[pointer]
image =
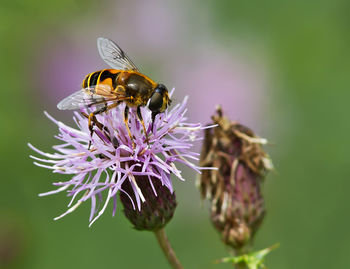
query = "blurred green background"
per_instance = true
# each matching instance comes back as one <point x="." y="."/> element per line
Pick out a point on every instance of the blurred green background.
<point x="282" y="68"/>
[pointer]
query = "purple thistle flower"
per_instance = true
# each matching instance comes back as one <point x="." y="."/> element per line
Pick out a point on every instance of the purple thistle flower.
<point x="112" y="160"/>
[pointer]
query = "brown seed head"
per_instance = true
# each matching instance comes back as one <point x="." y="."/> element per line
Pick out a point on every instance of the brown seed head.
<point x="237" y="207"/>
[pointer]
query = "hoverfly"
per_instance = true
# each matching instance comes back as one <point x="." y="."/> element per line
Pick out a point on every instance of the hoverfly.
<point x="107" y="88"/>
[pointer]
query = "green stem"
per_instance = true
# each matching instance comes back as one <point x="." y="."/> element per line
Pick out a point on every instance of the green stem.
<point x="167" y="249"/>
<point x="241" y="265"/>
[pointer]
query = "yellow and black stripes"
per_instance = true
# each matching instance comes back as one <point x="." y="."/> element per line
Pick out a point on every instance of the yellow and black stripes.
<point x="105" y="76"/>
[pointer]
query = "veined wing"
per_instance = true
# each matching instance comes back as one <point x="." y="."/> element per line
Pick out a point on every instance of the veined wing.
<point x="113" y="55"/>
<point x="89" y="97"/>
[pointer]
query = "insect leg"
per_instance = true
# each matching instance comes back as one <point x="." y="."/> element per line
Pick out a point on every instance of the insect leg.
<point x="95" y="121"/>
<point x="154" y="114"/>
<point x="92" y="120"/>
<point x="99" y="126"/>
<point x="139" y="115"/>
<point x="126" y="122"/>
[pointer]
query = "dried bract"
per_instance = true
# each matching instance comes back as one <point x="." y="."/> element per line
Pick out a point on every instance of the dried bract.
<point x="237" y="206"/>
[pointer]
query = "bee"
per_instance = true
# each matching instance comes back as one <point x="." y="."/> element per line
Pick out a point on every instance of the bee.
<point x="107" y="88"/>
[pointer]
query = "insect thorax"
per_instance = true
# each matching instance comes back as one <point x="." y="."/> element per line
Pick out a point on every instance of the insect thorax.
<point x="138" y="86"/>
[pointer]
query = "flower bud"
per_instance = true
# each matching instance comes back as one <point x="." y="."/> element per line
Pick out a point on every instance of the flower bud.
<point x="157" y="209"/>
<point x="237" y="206"/>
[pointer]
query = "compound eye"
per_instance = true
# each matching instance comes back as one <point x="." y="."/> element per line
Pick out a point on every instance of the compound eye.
<point x="156" y="102"/>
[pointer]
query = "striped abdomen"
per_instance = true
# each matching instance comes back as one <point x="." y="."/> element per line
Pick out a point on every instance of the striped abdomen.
<point x="105" y="76"/>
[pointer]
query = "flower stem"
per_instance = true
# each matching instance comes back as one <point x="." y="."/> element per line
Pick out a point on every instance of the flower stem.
<point x="240" y="266"/>
<point x="239" y="252"/>
<point x="167" y="249"/>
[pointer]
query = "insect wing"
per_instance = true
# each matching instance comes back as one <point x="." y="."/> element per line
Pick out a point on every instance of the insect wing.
<point x="113" y="55"/>
<point x="88" y="97"/>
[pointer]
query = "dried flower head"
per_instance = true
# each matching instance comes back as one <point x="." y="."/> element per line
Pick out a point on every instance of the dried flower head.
<point x="234" y="189"/>
<point x="115" y="163"/>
